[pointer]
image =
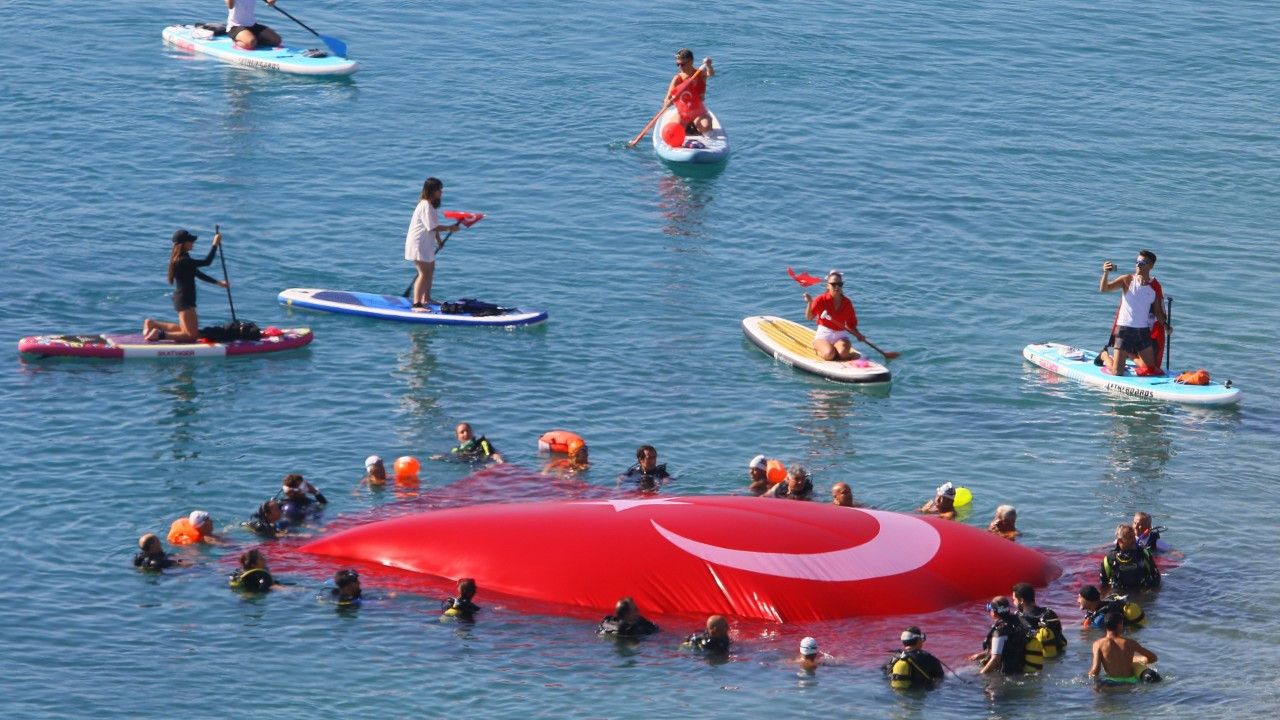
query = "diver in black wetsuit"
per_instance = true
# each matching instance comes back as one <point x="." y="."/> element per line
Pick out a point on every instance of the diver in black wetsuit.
<point x="253" y="575"/>
<point x="626" y="621"/>
<point x="461" y="607"/>
<point x="183" y="271"/>
<point x="151" y="554"/>
<point x="714" y="640"/>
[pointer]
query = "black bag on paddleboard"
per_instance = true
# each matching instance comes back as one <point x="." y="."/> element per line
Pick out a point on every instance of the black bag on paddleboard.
<point x="468" y="306"/>
<point x="233" y="330"/>
<point x="215" y="28"/>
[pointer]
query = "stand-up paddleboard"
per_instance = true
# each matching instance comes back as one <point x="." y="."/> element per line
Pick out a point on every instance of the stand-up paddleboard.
<point x="300" y="61"/>
<point x="394" y="307"/>
<point x="133" y="346"/>
<point x="1078" y="365"/>
<point x="715" y="144"/>
<point x="792" y="344"/>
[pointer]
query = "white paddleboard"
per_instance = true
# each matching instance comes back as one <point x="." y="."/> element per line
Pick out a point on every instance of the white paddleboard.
<point x="1077" y="364"/>
<point x="792" y="344"/>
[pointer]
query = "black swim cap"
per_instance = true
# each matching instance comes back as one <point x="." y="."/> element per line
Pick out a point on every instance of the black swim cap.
<point x="183" y="236"/>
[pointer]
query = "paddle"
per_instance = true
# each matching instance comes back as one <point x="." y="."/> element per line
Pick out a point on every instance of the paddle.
<point x="1168" y="317"/>
<point x="664" y="109"/>
<point x="465" y="219"/>
<point x="806" y="280"/>
<point x="338" y="47"/>
<point x="227" y="280"/>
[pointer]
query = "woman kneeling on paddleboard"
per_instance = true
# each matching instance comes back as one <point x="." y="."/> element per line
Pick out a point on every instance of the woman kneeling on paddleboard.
<point x="836" y="320"/>
<point x="183" y="271"/>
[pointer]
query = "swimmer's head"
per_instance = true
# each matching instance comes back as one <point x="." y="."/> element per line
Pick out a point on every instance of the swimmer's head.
<point x="912" y="635"/>
<point x="626" y="609"/>
<point x="1114" y="621"/>
<point x="250" y="559"/>
<point x="464" y="433"/>
<point x="466" y="589"/>
<point x="809" y="647"/>
<point x="270" y="511"/>
<point x="1000" y="605"/>
<point x="1089" y="594"/>
<point x="372" y="462"/>
<point x="346" y="578"/>
<point x="200" y="520"/>
<point x="149" y="543"/>
<point x="717" y="626"/>
<point x="1024" y="593"/>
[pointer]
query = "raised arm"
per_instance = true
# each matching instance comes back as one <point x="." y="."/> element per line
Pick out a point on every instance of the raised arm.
<point x="1107" y="285"/>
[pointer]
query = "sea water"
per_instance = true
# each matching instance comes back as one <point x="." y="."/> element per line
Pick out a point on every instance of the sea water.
<point x="968" y="166"/>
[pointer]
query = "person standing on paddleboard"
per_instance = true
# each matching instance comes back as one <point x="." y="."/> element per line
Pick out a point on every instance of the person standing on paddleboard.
<point x="836" y="321"/>
<point x="1140" y="306"/>
<point x="693" y="113"/>
<point x="243" y="27"/>
<point x="423" y="240"/>
<point x="183" y="271"/>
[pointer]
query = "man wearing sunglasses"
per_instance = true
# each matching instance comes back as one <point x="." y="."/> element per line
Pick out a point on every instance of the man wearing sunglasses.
<point x="1141" y="308"/>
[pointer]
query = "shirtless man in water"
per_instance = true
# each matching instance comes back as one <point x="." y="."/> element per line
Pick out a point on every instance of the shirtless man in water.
<point x="1113" y="655"/>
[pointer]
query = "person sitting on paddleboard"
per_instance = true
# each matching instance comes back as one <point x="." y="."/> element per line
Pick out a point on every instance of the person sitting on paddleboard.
<point x="423" y="240"/>
<point x="183" y="271"/>
<point x="1140" y="306"/>
<point x="693" y="113"/>
<point x="836" y="321"/>
<point x="243" y="27"/>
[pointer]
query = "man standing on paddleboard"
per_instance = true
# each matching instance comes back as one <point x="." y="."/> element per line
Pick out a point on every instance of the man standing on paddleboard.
<point x="1140" y="306"/>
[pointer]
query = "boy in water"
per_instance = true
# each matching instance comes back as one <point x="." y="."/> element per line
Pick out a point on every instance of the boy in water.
<point x="1113" y="656"/>
<point x="461" y="607"/>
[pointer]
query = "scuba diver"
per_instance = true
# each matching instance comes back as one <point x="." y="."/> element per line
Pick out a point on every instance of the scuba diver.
<point x="914" y="666"/>
<point x="626" y="621"/>
<point x="1043" y="621"/>
<point x="267" y="521"/>
<point x="1096" y="607"/>
<point x="797" y="486"/>
<point x="1127" y="566"/>
<point x="471" y="448"/>
<point x="1008" y="647"/>
<point x="346" y="590"/>
<point x="151" y="554"/>
<point x="714" y="640"/>
<point x="461" y="607"/>
<point x="296" y="497"/>
<point x="253" y="575"/>
<point x="647" y="474"/>
<point x="1149" y="537"/>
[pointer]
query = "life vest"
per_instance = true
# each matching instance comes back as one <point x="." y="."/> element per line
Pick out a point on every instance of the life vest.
<point x="1130" y="569"/>
<point x="1157" y="330"/>
<point x="1022" y="652"/>
<point x="558" y="441"/>
<point x="255" y="579"/>
<point x="1193" y="377"/>
<point x="1048" y="630"/>
<point x="704" y="642"/>
<point x="455" y="608"/>
<point x="906" y="669"/>
<point x="153" y="561"/>
<point x="182" y="532"/>
<point x="474" y="448"/>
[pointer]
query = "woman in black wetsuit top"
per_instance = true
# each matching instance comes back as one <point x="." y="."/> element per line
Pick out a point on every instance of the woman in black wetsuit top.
<point x="183" y="271"/>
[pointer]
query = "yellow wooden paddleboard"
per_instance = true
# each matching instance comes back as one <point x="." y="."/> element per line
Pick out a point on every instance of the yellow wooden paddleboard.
<point x="792" y="344"/>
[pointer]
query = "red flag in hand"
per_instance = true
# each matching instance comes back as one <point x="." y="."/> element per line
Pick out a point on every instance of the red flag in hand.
<point x="466" y="219"/>
<point x="804" y="279"/>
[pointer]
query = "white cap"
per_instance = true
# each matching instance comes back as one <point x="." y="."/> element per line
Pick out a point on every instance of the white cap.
<point x="758" y="461"/>
<point x="947" y="489"/>
<point x="371" y="461"/>
<point x="808" y="646"/>
<point x="198" y="517"/>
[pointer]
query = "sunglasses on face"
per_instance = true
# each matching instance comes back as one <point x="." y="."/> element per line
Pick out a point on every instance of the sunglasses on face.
<point x="1141" y="263"/>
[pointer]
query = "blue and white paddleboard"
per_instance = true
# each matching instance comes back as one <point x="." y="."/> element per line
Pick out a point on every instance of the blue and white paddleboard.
<point x="301" y="61"/>
<point x="394" y="307"/>
<point x="715" y="144"/>
<point x="1078" y="365"/>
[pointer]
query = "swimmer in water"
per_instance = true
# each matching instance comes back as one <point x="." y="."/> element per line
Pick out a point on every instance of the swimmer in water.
<point x="626" y="621"/>
<point x="647" y="474"/>
<point x="268" y="521"/>
<point x="253" y="575"/>
<point x="842" y="495"/>
<point x="375" y="473"/>
<point x="810" y="659"/>
<point x="914" y="666"/>
<point x="346" y="590"/>
<point x="797" y="486"/>
<point x="151" y="554"/>
<point x="194" y="528"/>
<point x="471" y="448"/>
<point x="714" y="640"/>
<point x="1149" y="537"/>
<point x="943" y="503"/>
<point x="1005" y="522"/>
<point x="758" y="473"/>
<point x="1114" y="656"/>
<point x="461" y="607"/>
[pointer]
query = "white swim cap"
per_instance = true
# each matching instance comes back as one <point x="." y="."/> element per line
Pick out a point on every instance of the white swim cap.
<point x="371" y="461"/>
<point x="808" y="646"/>
<point x="198" y="517"/>
<point x="758" y="461"/>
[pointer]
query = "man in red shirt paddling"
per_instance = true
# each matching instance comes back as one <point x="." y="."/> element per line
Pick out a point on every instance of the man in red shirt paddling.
<point x="836" y="321"/>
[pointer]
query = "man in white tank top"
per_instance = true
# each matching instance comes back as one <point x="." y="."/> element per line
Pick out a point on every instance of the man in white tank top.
<point x="1138" y="304"/>
<point x="243" y="26"/>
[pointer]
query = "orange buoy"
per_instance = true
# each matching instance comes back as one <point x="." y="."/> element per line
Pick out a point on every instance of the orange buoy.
<point x="406" y="465"/>
<point x="775" y="471"/>
<point x="560" y="441"/>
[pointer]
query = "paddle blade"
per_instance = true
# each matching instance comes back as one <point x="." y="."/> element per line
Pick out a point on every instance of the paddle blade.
<point x="673" y="134"/>
<point x="804" y="279"/>
<point x="338" y="47"/>
<point x="465" y="219"/>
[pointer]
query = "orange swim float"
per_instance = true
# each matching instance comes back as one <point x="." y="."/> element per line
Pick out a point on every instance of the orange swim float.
<point x="560" y="441"/>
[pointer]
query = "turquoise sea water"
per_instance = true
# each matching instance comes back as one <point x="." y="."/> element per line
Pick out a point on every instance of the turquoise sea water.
<point x="969" y="168"/>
